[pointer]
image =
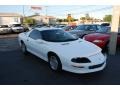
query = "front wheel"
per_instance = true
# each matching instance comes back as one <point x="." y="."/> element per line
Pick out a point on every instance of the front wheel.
<point x="54" y="63"/>
<point x="23" y="47"/>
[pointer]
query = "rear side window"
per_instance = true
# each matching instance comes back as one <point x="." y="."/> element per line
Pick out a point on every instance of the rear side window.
<point x="35" y="34"/>
<point x="80" y="27"/>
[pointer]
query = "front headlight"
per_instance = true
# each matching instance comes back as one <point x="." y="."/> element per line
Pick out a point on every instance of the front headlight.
<point x="98" y="41"/>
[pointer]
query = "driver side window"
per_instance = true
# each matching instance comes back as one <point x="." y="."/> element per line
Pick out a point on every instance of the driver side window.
<point x="35" y="34"/>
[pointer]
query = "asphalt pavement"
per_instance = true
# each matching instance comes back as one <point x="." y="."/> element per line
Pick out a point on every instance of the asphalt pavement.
<point x="18" y="69"/>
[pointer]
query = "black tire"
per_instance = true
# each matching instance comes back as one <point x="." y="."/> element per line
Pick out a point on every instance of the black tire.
<point x="58" y="66"/>
<point x="24" y="49"/>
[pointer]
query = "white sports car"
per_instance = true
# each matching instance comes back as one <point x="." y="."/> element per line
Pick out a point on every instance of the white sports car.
<point x="62" y="50"/>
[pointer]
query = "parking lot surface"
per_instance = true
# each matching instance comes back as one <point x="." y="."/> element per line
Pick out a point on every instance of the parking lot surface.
<point x="16" y="68"/>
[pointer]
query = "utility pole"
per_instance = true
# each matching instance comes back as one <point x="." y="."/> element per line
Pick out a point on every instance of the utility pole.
<point x="114" y="30"/>
<point x="23" y="10"/>
<point x="47" y="14"/>
<point x="46" y="10"/>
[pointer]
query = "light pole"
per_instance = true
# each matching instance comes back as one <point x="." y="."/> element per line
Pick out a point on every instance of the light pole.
<point x="47" y="19"/>
<point x="23" y="10"/>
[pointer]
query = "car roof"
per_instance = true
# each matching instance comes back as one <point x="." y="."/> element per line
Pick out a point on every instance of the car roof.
<point x="88" y="24"/>
<point x="47" y="28"/>
<point x="3" y="25"/>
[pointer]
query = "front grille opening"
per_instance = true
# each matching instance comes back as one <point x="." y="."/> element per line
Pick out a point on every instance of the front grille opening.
<point x="80" y="60"/>
<point x="96" y="66"/>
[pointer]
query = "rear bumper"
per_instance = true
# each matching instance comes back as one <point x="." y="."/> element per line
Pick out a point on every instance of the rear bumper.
<point x="18" y="30"/>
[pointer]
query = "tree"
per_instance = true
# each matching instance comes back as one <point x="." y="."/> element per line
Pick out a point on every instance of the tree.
<point x="87" y="17"/>
<point x="75" y="19"/>
<point x="59" y="20"/>
<point x="28" y="20"/>
<point x="83" y="19"/>
<point x="107" y="18"/>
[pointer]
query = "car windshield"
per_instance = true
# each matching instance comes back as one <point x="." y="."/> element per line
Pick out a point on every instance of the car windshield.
<point x="3" y="26"/>
<point x="16" y="25"/>
<point x="86" y="27"/>
<point x="57" y="36"/>
<point x="69" y="27"/>
<point x="103" y="29"/>
<point x="80" y="27"/>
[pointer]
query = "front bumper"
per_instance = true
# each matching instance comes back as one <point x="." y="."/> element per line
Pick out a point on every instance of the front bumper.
<point x="5" y="31"/>
<point x="86" y="67"/>
<point x="18" y="30"/>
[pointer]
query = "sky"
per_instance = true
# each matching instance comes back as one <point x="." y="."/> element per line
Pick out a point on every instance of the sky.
<point x="61" y="11"/>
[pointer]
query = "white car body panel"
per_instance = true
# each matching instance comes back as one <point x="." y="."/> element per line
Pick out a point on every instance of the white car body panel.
<point x="66" y="51"/>
<point x="17" y="29"/>
<point x="5" y="30"/>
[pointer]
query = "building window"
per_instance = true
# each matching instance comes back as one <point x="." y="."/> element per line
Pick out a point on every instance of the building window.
<point x="15" y="19"/>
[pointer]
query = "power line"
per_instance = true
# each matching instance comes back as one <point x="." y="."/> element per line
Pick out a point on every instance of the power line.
<point x="95" y="10"/>
<point x="88" y="11"/>
<point x="81" y="7"/>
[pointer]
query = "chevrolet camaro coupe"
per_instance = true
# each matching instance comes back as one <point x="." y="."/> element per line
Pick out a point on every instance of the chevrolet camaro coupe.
<point x="62" y="50"/>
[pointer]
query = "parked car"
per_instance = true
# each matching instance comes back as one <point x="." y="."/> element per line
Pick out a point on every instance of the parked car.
<point x="85" y="29"/>
<point x="17" y="28"/>
<point x="69" y="27"/>
<point x="105" y="24"/>
<point x="4" y="29"/>
<point x="62" y="50"/>
<point x="101" y="38"/>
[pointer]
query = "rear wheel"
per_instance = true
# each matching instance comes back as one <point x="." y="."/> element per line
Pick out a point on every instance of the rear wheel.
<point x="23" y="47"/>
<point x="54" y="63"/>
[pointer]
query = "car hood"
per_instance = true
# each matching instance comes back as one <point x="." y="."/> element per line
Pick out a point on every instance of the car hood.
<point x="95" y="36"/>
<point x="78" y="48"/>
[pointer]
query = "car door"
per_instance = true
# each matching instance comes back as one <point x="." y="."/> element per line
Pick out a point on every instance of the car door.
<point x="90" y="29"/>
<point x="35" y="44"/>
<point x="79" y="30"/>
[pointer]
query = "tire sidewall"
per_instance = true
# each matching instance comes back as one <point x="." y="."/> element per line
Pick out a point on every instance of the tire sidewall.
<point x="59" y="67"/>
<point x="25" y="49"/>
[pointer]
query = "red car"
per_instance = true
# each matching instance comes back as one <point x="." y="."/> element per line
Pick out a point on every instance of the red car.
<point x="101" y="38"/>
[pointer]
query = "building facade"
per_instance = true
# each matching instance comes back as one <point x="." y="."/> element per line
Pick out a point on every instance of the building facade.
<point x="8" y="18"/>
<point x="40" y="19"/>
